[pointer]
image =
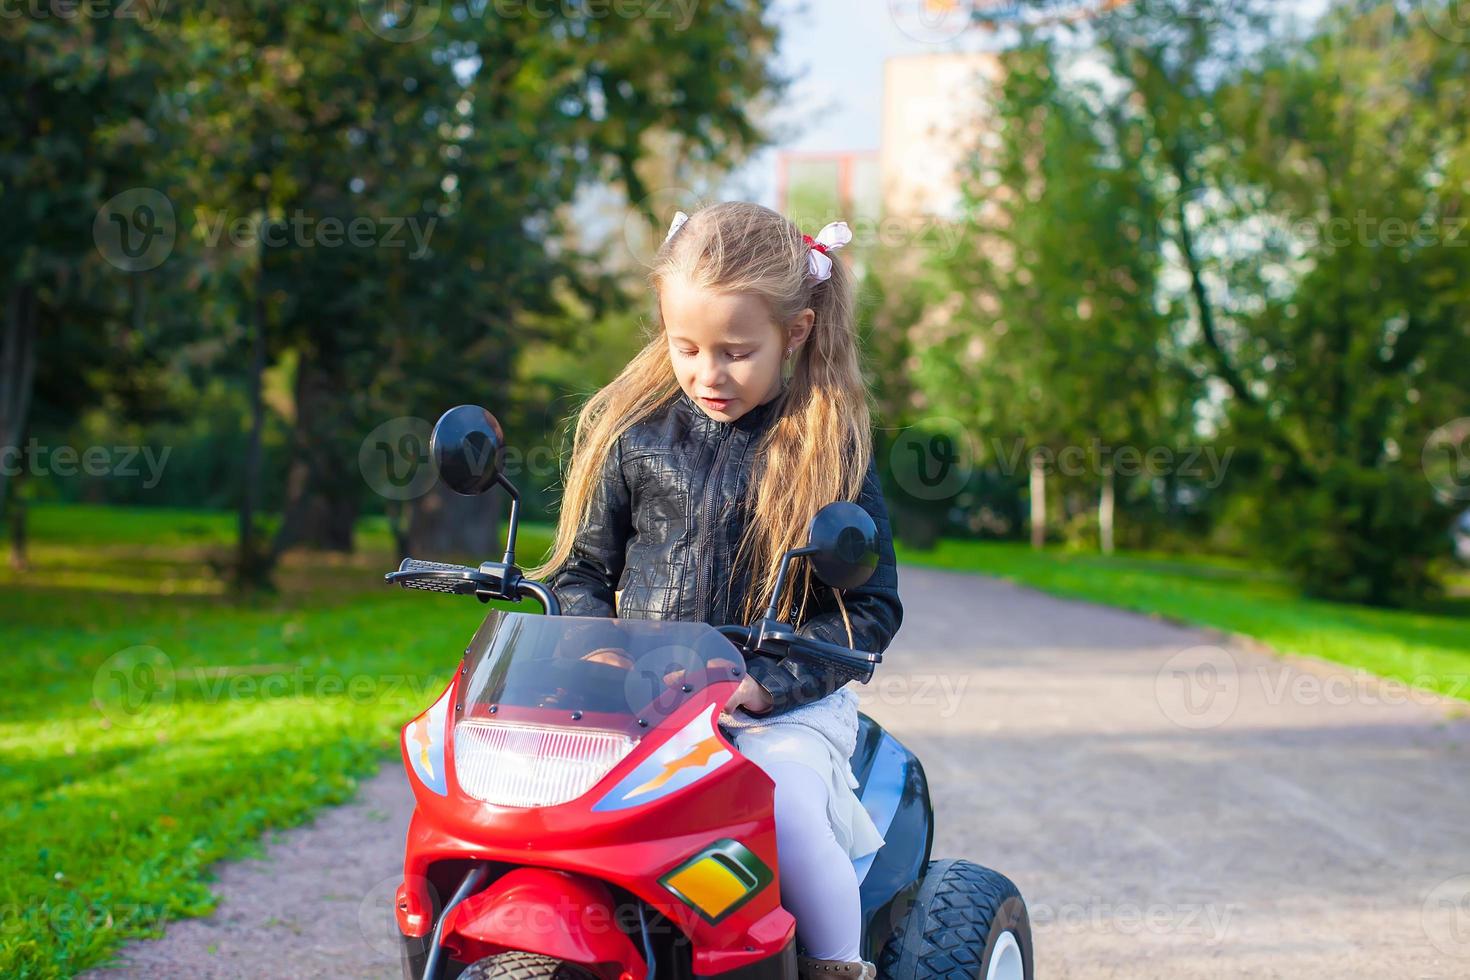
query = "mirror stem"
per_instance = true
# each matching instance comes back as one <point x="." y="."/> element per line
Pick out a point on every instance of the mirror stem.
<point x="515" y="513"/>
<point x="781" y="577"/>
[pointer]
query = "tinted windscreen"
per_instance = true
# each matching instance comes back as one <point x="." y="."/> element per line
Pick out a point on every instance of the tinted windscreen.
<point x="613" y="672"/>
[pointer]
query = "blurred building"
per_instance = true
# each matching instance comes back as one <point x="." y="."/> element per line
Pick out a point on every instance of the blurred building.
<point x="932" y="105"/>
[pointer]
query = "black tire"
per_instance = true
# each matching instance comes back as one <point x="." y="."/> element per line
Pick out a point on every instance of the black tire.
<point x="524" y="966"/>
<point x="956" y="924"/>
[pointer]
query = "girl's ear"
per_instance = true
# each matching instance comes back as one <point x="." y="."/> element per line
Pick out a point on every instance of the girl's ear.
<point x="799" y="327"/>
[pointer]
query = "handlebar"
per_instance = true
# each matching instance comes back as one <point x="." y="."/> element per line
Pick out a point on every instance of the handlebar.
<point x="492" y="580"/>
<point x="776" y="639"/>
<point x="496" y="580"/>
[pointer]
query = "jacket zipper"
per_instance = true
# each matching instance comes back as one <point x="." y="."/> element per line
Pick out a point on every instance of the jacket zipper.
<point x="706" y="527"/>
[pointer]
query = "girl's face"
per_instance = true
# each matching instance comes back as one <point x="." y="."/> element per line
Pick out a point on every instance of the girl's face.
<point x="725" y="348"/>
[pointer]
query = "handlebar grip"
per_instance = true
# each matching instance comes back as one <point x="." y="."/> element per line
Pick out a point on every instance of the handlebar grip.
<point x="415" y="565"/>
<point x="443" y="585"/>
<point x="837" y="649"/>
<point x="856" y="664"/>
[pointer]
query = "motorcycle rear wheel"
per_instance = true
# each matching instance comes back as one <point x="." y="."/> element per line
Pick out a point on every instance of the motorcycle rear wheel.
<point x="967" y="923"/>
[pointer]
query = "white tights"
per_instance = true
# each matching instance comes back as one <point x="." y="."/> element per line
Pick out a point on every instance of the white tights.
<point x="819" y="885"/>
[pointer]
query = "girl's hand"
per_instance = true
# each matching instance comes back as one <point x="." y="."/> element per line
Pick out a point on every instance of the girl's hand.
<point x="611" y="656"/>
<point x="750" y="696"/>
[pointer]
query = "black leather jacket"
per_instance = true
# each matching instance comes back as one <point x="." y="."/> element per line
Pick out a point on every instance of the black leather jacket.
<point x="664" y="524"/>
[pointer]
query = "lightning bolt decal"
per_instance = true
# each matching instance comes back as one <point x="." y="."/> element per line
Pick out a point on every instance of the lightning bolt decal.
<point x="690" y="754"/>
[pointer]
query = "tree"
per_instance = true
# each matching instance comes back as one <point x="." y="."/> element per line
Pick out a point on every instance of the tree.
<point x="81" y="95"/>
<point x="1353" y="348"/>
<point x="470" y="137"/>
<point x="1263" y="199"/>
<point x="1053" y="352"/>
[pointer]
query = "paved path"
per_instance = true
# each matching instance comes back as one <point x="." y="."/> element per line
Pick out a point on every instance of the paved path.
<point x="1172" y="806"/>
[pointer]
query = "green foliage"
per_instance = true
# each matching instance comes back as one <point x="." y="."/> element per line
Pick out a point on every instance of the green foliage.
<point x="1360" y="534"/>
<point x="1204" y="240"/>
<point x="193" y="457"/>
<point x="73" y="132"/>
<point x="1352" y="332"/>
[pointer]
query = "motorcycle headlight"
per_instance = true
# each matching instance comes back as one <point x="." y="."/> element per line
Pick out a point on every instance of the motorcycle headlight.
<point x="530" y="765"/>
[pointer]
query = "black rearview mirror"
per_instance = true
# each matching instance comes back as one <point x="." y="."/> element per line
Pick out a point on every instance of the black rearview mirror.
<point x="843" y="544"/>
<point x="468" y="448"/>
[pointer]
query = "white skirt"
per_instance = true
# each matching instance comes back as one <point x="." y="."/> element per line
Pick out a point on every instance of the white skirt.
<point x="821" y="735"/>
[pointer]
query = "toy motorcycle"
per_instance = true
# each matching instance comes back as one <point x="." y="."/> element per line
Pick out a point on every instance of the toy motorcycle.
<point x="580" y="813"/>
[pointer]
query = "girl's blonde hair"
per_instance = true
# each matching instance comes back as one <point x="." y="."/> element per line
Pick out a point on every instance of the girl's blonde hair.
<point x="817" y="445"/>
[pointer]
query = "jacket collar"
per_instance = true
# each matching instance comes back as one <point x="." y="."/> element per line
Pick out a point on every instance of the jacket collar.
<point x="751" y="421"/>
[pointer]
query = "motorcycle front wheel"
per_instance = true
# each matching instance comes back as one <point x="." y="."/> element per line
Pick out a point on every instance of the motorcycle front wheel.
<point x="524" y="966"/>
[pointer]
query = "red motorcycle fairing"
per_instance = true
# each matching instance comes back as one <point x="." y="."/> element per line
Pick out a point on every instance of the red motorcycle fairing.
<point x="627" y="848"/>
<point x="554" y="913"/>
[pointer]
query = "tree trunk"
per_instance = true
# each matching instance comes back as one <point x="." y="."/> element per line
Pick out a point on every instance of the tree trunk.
<point x="19" y="559"/>
<point x="253" y="566"/>
<point x="315" y="517"/>
<point x="399" y="513"/>
<point x="322" y="480"/>
<point x="1038" y="503"/>
<point x="444" y="525"/>
<point x="17" y="377"/>
<point x="1105" y="513"/>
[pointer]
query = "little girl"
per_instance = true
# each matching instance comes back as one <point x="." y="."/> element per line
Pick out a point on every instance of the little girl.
<point x="696" y="468"/>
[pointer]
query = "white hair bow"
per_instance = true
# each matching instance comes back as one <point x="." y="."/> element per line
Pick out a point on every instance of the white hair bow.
<point x="679" y="218"/>
<point x="819" y="266"/>
<point x="829" y="239"/>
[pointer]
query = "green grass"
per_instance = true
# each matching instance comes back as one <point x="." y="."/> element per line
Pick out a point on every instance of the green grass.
<point x="1426" y="649"/>
<point x="151" y="725"/>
